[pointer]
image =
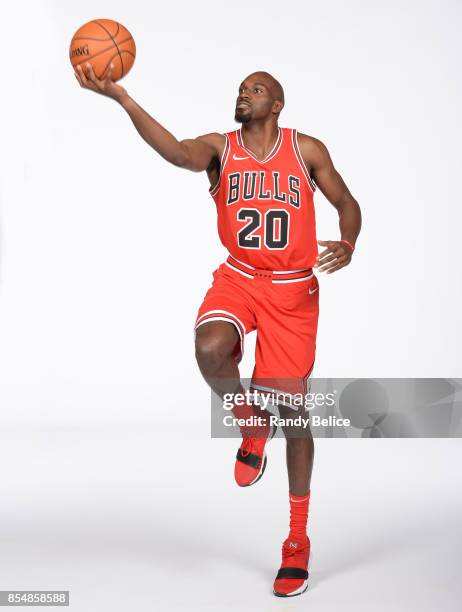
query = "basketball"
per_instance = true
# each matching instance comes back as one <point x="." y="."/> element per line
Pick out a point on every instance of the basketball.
<point x="102" y="42"/>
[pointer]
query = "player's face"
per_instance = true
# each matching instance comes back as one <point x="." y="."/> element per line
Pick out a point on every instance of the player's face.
<point x="254" y="101"/>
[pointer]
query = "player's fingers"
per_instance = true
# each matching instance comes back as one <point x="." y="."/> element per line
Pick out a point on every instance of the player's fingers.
<point x="330" y="265"/>
<point x="336" y="268"/>
<point x="109" y="72"/>
<point x="323" y="254"/>
<point x="329" y="253"/>
<point x="83" y="78"/>
<point x="78" y="72"/>
<point x="333" y="247"/>
<point x="333" y="263"/>
<point x="91" y="75"/>
<point x="324" y="260"/>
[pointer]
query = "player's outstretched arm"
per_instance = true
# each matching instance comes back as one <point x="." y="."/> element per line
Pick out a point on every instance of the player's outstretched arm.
<point x="195" y="155"/>
<point x="338" y="252"/>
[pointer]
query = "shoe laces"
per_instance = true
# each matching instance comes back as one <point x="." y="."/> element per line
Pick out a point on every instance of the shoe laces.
<point x="246" y="446"/>
<point x="291" y="551"/>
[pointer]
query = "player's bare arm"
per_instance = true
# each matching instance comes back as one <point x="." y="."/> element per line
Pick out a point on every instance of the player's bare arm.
<point x="338" y="253"/>
<point x="202" y="153"/>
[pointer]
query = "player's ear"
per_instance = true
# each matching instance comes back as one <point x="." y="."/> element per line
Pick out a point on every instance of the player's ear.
<point x="277" y="107"/>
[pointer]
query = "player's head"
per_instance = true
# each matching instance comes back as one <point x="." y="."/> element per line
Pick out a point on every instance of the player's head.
<point x="260" y="96"/>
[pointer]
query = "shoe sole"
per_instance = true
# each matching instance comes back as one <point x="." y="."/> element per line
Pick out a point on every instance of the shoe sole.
<point x="264" y="462"/>
<point x="299" y="591"/>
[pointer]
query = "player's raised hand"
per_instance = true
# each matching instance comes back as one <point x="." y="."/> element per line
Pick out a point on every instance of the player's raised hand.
<point x="337" y="255"/>
<point x="105" y="87"/>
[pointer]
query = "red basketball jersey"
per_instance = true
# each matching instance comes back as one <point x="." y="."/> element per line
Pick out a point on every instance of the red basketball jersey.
<point x="265" y="208"/>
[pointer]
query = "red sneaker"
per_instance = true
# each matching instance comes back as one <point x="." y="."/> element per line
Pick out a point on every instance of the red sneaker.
<point x="251" y="458"/>
<point x="292" y="578"/>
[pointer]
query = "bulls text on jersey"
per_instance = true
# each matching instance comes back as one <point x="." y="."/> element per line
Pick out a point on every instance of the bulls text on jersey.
<point x="262" y="185"/>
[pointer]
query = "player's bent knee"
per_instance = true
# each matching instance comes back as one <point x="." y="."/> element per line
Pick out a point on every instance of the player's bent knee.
<point x="213" y="347"/>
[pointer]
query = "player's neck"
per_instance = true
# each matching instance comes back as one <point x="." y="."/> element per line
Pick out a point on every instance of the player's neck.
<point x="260" y="137"/>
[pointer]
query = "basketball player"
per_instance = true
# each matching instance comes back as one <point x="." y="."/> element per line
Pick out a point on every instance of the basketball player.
<point x="262" y="179"/>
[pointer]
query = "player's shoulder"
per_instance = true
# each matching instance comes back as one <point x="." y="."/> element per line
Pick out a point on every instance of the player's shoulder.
<point x="310" y="141"/>
<point x="311" y="146"/>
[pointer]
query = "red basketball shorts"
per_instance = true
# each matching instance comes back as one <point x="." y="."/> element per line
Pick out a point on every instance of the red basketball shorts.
<point x="282" y="307"/>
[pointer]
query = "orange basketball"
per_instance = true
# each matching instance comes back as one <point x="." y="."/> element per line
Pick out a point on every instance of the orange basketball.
<point x="102" y="42"/>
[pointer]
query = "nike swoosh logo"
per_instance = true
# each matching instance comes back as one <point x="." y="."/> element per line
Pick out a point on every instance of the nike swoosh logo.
<point x="239" y="158"/>
<point x="312" y="291"/>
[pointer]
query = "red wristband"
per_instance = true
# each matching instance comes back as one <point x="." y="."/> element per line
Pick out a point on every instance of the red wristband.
<point x="349" y="244"/>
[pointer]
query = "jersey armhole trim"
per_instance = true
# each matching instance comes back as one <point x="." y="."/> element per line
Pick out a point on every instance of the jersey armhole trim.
<point x="224" y="158"/>
<point x="302" y="164"/>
